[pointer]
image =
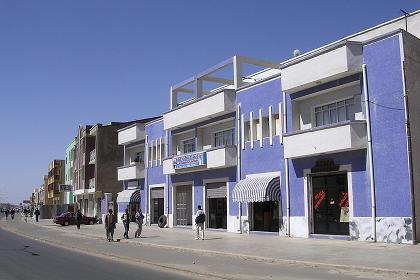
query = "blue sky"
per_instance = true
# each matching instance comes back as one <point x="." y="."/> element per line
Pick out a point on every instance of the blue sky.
<point x="65" y="63"/>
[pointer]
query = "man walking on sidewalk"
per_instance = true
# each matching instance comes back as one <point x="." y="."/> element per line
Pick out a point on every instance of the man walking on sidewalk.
<point x="139" y="222"/>
<point x="200" y="218"/>
<point x="37" y="213"/>
<point x="78" y="218"/>
<point x="109" y="225"/>
<point x="126" y="222"/>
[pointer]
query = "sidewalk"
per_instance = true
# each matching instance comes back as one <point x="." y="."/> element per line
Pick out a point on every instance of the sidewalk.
<point x="335" y="253"/>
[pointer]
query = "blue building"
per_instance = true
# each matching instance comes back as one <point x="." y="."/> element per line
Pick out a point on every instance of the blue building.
<point x="324" y="145"/>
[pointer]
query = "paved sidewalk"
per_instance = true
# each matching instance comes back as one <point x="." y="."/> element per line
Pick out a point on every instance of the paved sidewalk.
<point x="336" y="253"/>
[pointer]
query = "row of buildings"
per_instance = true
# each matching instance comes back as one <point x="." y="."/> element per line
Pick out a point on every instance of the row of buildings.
<point x="324" y="145"/>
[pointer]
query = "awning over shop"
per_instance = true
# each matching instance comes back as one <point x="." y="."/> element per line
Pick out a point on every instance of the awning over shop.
<point x="257" y="189"/>
<point x="129" y="196"/>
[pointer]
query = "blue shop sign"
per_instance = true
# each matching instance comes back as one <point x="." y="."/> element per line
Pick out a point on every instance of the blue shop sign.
<point x="190" y="160"/>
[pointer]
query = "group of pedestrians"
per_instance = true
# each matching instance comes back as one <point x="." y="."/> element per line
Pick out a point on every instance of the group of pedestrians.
<point x="110" y="224"/>
<point x="11" y="213"/>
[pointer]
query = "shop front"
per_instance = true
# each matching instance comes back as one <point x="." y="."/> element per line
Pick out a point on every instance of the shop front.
<point x="129" y="199"/>
<point x="262" y="196"/>
<point x="157" y="204"/>
<point x="183" y="205"/>
<point x="216" y="205"/>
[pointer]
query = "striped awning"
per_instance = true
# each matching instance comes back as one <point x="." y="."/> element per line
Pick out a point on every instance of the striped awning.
<point x="257" y="189"/>
<point x="129" y="196"/>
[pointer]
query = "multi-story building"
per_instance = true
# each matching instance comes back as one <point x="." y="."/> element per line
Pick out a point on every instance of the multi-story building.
<point x="132" y="173"/>
<point x="97" y="155"/>
<point x="69" y="170"/>
<point x="55" y="179"/>
<point x="322" y="145"/>
<point x="47" y="201"/>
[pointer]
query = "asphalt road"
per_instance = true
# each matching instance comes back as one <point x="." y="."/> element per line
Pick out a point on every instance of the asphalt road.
<point x="22" y="258"/>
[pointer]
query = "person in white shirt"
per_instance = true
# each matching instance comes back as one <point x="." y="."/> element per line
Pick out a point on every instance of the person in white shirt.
<point x="200" y="218"/>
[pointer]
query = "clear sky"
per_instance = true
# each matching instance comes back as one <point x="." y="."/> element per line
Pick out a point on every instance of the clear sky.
<point x="66" y="63"/>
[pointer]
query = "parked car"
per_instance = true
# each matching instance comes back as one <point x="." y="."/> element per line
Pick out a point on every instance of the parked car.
<point x="69" y="218"/>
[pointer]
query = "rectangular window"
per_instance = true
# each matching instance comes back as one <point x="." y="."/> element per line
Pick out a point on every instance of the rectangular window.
<point x="189" y="146"/>
<point x="224" y="138"/>
<point x="276" y="125"/>
<point x="335" y="112"/>
<point x="139" y="157"/>
<point x="265" y="128"/>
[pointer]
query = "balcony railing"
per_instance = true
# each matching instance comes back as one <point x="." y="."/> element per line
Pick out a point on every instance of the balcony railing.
<point x="131" y="172"/>
<point x="339" y="137"/>
<point x="92" y="183"/>
<point x="219" y="157"/>
<point x="92" y="157"/>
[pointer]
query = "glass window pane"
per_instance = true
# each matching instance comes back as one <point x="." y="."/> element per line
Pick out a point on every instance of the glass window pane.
<point x="318" y="119"/>
<point x="333" y="116"/>
<point x="326" y="117"/>
<point x="350" y="112"/>
<point x="341" y="114"/>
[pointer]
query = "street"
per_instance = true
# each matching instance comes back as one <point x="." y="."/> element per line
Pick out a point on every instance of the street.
<point x="23" y="258"/>
<point x="65" y="253"/>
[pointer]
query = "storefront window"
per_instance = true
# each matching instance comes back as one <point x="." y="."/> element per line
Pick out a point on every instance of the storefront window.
<point x="265" y="216"/>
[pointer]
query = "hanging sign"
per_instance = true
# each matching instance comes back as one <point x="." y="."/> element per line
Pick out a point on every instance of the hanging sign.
<point x="190" y="160"/>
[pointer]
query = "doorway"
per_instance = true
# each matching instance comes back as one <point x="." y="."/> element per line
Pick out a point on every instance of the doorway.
<point x="330" y="204"/>
<point x="156" y="204"/>
<point x="216" y="205"/>
<point x="265" y="216"/>
<point x="183" y="205"/>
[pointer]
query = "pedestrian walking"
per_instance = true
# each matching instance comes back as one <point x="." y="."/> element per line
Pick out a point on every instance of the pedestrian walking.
<point x="37" y="213"/>
<point x="200" y="218"/>
<point x="126" y="222"/>
<point x="139" y="222"/>
<point x="78" y="218"/>
<point x="7" y="213"/>
<point x="110" y="225"/>
<point x="12" y="213"/>
<point x="25" y="215"/>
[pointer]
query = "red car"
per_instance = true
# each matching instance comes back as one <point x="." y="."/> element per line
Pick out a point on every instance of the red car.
<point x="69" y="218"/>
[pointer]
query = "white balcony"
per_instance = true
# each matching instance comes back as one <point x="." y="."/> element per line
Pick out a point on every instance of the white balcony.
<point x="131" y="172"/>
<point x="204" y="108"/>
<point x="220" y="157"/>
<point x="310" y="70"/>
<point x="335" y="138"/>
<point x="131" y="134"/>
<point x="92" y="157"/>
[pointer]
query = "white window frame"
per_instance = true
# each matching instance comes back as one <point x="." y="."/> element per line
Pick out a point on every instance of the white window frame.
<point x="335" y="101"/>
<point x="222" y="131"/>
<point x="183" y="145"/>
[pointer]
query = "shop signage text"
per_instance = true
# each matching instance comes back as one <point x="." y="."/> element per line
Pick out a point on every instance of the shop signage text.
<point x="190" y="160"/>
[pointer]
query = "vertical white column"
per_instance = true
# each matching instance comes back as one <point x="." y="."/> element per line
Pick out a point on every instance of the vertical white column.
<point x="151" y="153"/>
<point x="243" y="131"/>
<point x="270" y="123"/>
<point x="282" y="122"/>
<point x="260" y="128"/>
<point x="156" y="150"/>
<point x="251" y="128"/>
<point x="160" y="151"/>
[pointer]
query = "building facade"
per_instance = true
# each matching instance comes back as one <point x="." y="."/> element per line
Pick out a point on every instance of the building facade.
<point x="55" y="179"/>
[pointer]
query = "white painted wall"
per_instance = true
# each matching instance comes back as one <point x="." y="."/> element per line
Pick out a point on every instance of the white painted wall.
<point x="349" y="136"/>
<point x="211" y="106"/>
<point x="325" y="67"/>
<point x="131" y="172"/>
<point x="132" y="134"/>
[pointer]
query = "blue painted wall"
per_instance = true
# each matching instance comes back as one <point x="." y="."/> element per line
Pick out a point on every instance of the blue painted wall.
<point x="383" y="60"/>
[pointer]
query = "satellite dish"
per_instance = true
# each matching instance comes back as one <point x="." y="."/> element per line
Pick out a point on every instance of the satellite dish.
<point x="296" y="53"/>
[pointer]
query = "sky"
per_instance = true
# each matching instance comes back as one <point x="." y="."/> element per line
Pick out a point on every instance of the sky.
<point x="67" y="63"/>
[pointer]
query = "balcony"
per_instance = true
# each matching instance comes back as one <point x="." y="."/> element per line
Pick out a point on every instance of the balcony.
<point x="323" y="66"/>
<point x="92" y="157"/>
<point x="340" y="137"/>
<point x="131" y="134"/>
<point x="131" y="172"/>
<point x="219" y="157"/>
<point x="92" y="184"/>
<point x="204" y="108"/>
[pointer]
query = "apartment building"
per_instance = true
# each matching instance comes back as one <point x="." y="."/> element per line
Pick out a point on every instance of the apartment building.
<point x="132" y="173"/>
<point x="55" y="179"/>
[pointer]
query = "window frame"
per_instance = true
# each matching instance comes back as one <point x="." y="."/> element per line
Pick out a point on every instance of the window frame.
<point x="183" y="145"/>
<point x="223" y="131"/>
<point x="335" y="102"/>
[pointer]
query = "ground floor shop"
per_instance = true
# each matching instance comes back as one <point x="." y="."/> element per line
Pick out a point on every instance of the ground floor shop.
<point x="128" y="199"/>
<point x="90" y="204"/>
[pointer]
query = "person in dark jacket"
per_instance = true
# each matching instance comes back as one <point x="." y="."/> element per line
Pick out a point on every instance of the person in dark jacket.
<point x="37" y="213"/>
<point x="78" y="218"/>
<point x="126" y="222"/>
<point x="7" y="213"/>
<point x="199" y="222"/>
<point x="110" y="225"/>
<point x="12" y="213"/>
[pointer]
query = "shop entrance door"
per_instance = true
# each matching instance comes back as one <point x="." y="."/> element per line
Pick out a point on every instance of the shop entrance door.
<point x="157" y="204"/>
<point x="216" y="205"/>
<point x="330" y="205"/>
<point x="183" y="205"/>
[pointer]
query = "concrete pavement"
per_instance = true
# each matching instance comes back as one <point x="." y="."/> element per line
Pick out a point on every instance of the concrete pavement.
<point x="347" y="256"/>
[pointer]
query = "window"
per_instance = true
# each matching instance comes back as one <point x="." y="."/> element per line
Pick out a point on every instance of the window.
<point x="189" y="146"/>
<point x="265" y="128"/>
<point x="276" y="125"/>
<point x="139" y="157"/>
<point x="224" y="138"/>
<point x="150" y="155"/>
<point x="335" y="112"/>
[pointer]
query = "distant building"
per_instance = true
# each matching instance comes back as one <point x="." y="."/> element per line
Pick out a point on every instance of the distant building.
<point x="55" y="179"/>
